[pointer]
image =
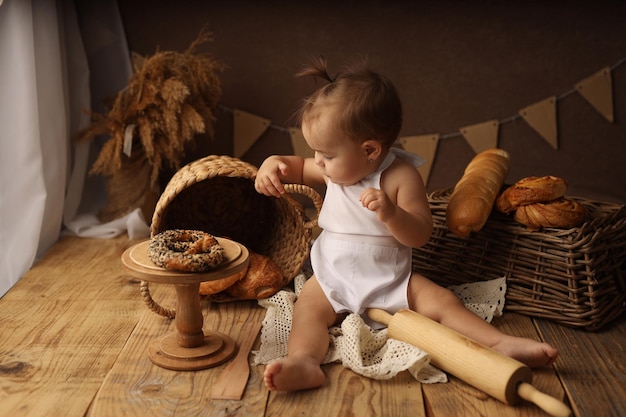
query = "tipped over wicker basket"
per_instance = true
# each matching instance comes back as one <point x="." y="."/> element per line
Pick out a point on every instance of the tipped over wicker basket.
<point x="216" y="194"/>
<point x="573" y="276"/>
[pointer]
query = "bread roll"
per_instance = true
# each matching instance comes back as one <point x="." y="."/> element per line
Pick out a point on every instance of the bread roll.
<point x="531" y="190"/>
<point x="562" y="213"/>
<point x="474" y="195"/>
<point x="215" y="286"/>
<point x="262" y="280"/>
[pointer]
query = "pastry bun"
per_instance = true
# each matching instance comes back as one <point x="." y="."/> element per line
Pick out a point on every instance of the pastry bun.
<point x="531" y="190"/>
<point x="262" y="279"/>
<point x="539" y="202"/>
<point x="219" y="285"/>
<point x="561" y="213"/>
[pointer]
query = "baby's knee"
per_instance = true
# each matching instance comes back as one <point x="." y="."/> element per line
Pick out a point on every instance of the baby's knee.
<point x="431" y="299"/>
<point x="449" y="299"/>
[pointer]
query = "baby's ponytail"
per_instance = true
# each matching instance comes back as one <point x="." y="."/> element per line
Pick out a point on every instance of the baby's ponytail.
<point x="317" y="68"/>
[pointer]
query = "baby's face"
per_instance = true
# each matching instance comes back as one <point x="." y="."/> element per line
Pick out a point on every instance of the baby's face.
<point x="340" y="158"/>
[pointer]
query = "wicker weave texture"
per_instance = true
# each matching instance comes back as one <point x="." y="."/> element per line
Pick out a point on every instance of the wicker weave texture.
<point x="576" y="276"/>
<point x="216" y="194"/>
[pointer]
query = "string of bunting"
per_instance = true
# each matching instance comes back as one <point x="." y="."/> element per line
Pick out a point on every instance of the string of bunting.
<point x="596" y="89"/>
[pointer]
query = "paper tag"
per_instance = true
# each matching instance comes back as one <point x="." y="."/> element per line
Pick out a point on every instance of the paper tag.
<point x="128" y="139"/>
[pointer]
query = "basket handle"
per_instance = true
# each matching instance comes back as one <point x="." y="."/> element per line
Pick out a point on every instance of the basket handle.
<point x="170" y="313"/>
<point x="312" y="194"/>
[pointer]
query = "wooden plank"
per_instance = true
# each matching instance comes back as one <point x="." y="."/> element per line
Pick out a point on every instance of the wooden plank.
<point x="233" y="379"/>
<point x="592" y="367"/>
<point x="63" y="325"/>
<point x="346" y="393"/>
<point x="459" y="398"/>
<point x="136" y="387"/>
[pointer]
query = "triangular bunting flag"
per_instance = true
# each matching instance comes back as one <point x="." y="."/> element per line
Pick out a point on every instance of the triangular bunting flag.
<point x="598" y="90"/>
<point x="424" y="146"/>
<point x="248" y="128"/>
<point x="541" y="116"/>
<point x="300" y="146"/>
<point x="482" y="136"/>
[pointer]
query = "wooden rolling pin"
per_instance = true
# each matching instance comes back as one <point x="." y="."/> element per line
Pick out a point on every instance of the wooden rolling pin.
<point x="502" y="377"/>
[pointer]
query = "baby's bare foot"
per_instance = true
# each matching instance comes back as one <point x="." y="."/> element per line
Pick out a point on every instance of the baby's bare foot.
<point x="530" y="352"/>
<point x="293" y="374"/>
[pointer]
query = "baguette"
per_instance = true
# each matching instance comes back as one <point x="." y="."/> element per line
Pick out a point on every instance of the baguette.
<point x="474" y="195"/>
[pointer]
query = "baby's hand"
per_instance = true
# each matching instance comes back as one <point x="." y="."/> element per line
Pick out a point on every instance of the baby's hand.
<point x="377" y="201"/>
<point x="268" y="177"/>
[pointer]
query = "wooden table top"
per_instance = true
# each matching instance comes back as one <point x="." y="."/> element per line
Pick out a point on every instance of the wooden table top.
<point x="75" y="331"/>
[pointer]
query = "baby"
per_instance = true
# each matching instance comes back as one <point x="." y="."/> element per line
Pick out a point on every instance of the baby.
<point x="375" y="210"/>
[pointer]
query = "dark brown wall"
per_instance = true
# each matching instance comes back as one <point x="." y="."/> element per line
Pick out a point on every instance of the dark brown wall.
<point x="454" y="63"/>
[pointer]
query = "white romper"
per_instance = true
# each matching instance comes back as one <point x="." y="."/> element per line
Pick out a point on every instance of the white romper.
<point x="356" y="260"/>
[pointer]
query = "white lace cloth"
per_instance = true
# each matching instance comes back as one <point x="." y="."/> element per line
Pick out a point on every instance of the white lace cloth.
<point x="366" y="351"/>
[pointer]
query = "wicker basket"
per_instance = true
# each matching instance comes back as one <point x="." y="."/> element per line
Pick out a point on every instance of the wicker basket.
<point x="216" y="194"/>
<point x="572" y="276"/>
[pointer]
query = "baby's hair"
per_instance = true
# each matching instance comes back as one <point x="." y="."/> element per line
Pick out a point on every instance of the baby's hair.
<point x="369" y="103"/>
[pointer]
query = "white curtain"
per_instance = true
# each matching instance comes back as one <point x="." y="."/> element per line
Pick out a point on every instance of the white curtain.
<point x="96" y="35"/>
<point x="45" y="84"/>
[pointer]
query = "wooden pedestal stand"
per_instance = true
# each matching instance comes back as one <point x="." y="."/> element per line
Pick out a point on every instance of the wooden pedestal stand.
<point x="189" y="347"/>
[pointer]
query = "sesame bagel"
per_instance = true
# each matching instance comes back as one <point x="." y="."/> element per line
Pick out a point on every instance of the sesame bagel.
<point x="185" y="250"/>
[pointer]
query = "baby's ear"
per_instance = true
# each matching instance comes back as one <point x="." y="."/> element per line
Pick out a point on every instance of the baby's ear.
<point x="373" y="149"/>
